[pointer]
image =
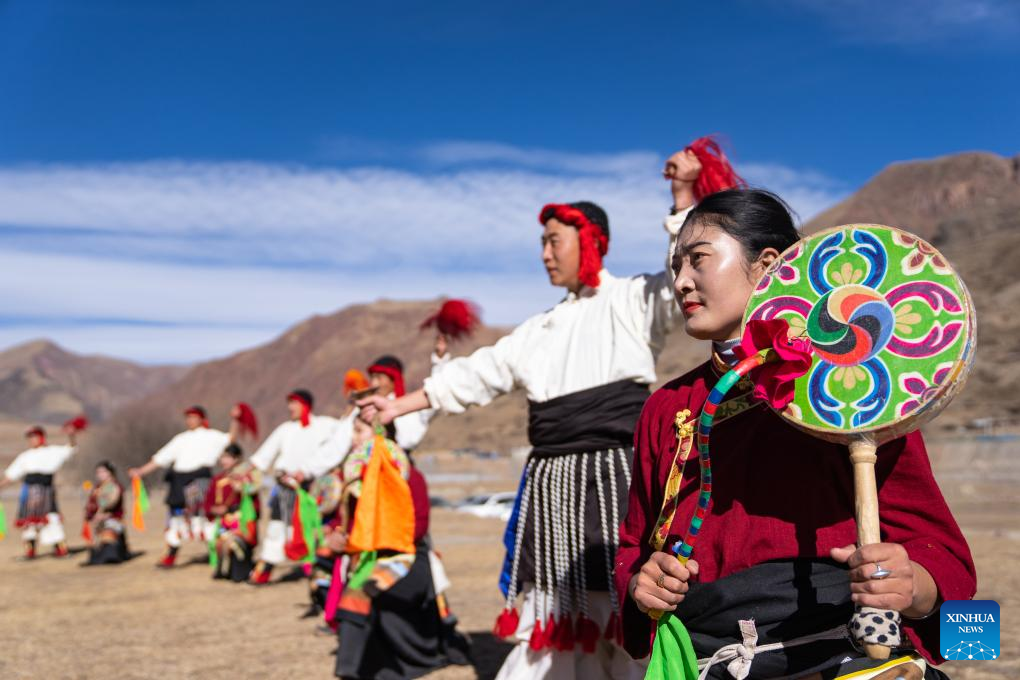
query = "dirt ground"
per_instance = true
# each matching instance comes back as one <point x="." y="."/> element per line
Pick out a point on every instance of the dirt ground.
<point x="59" y="621"/>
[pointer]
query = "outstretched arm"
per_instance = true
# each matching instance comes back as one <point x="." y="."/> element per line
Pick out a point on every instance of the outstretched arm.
<point x="163" y="458"/>
<point x="386" y="410"/>
<point x="460" y="383"/>
<point x="234" y="432"/>
<point x="266" y="454"/>
<point x="143" y="470"/>
<point x="14" y="472"/>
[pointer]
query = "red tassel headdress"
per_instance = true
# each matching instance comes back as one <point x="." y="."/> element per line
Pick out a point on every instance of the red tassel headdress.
<point x="716" y="172"/>
<point x="247" y="421"/>
<point x="38" y="432"/>
<point x="198" y="411"/>
<point x="455" y="319"/>
<point x="303" y="397"/>
<point x="392" y="367"/>
<point x="594" y="238"/>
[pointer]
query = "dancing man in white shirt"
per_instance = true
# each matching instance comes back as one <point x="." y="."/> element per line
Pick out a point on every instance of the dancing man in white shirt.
<point x="38" y="516"/>
<point x="189" y="459"/>
<point x="586" y="366"/>
<point x="298" y="451"/>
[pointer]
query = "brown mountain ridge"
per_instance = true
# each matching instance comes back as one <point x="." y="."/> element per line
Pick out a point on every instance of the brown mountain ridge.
<point x="42" y="382"/>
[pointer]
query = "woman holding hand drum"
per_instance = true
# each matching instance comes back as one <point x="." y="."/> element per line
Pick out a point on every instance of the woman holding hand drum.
<point x="777" y="564"/>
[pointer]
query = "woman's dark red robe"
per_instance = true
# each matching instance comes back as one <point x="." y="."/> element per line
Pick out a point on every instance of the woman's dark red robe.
<point x="778" y="494"/>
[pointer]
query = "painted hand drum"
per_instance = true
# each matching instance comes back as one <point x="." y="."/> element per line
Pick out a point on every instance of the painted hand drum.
<point x="893" y="333"/>
<point x="327" y="490"/>
<point x="891" y="324"/>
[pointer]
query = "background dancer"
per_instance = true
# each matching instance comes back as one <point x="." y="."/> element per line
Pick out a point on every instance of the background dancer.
<point x="294" y="453"/>
<point x="38" y="516"/>
<point x="189" y="459"/>
<point x="104" y="518"/>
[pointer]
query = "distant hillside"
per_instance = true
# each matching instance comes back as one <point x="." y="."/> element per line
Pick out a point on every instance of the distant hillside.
<point x="314" y="354"/>
<point x="42" y="382"/>
<point x="968" y="205"/>
<point x="943" y="200"/>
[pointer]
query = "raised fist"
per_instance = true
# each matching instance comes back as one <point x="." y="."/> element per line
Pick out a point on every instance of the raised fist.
<point x="683" y="167"/>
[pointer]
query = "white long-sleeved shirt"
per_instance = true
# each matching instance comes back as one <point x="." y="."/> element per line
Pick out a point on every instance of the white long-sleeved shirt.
<point x="192" y="449"/>
<point x="43" y="460"/>
<point x="292" y="448"/>
<point x="595" y="337"/>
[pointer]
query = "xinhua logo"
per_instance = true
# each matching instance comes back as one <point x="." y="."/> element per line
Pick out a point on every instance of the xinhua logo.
<point x="969" y="630"/>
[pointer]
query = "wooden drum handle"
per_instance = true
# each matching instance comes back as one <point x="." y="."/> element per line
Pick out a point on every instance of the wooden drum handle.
<point x="863" y="457"/>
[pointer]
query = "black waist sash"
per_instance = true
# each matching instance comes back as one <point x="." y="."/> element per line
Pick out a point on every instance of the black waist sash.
<point x="38" y="479"/>
<point x="176" y="498"/>
<point x="595" y="419"/>
<point x="787" y="600"/>
<point x="600" y="422"/>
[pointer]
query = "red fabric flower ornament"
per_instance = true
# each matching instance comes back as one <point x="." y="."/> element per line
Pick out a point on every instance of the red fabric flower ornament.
<point x="790" y="359"/>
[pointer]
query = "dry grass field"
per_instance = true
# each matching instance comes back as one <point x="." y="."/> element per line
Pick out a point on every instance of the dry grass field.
<point x="59" y="621"/>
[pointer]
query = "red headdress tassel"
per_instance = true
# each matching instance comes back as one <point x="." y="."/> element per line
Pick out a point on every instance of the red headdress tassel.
<point x="38" y="432"/>
<point x="716" y="172"/>
<point x="198" y="412"/>
<point x="396" y="376"/>
<point x="455" y="319"/>
<point x="306" y="408"/>
<point x="594" y="244"/>
<point x="246" y="419"/>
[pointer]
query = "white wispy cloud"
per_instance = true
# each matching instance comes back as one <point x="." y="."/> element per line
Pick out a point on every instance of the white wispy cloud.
<point x="242" y="250"/>
<point x="159" y="312"/>
<point x="457" y="153"/>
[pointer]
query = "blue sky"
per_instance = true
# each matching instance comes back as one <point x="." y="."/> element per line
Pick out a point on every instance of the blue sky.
<point x="179" y="180"/>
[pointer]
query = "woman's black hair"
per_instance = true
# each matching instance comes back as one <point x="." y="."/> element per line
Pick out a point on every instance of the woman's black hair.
<point x="757" y="218"/>
<point x="234" y="450"/>
<point x="108" y="466"/>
